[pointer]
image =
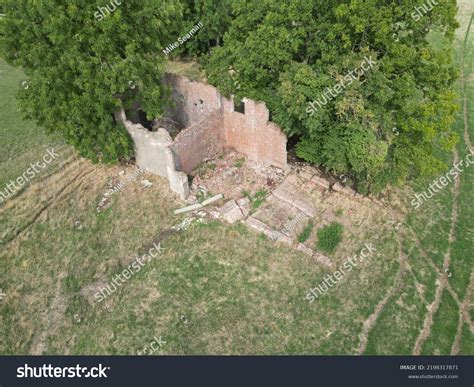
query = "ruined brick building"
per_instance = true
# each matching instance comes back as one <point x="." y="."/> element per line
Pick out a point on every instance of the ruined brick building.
<point x="211" y="123"/>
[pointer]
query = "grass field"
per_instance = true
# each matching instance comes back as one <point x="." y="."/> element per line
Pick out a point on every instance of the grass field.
<point x="438" y="244"/>
<point x="219" y="289"/>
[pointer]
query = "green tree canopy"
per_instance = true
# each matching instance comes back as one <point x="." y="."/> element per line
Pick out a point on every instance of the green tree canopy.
<point x="215" y="15"/>
<point x="84" y="59"/>
<point x="383" y="126"/>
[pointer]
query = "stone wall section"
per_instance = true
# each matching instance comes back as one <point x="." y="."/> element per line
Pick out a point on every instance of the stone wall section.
<point x="149" y="146"/>
<point x="153" y="154"/>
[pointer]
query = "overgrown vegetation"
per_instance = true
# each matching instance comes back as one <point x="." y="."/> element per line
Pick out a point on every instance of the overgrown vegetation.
<point x="258" y="198"/>
<point x="380" y="128"/>
<point x="329" y="237"/>
<point x="386" y="126"/>
<point x="305" y="234"/>
<point x="80" y="69"/>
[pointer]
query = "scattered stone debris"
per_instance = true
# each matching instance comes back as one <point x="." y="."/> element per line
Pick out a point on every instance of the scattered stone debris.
<point x="288" y="195"/>
<point x="103" y="204"/>
<point x="115" y="185"/>
<point x="232" y="174"/>
<point x="187" y="222"/>
<point x="146" y="183"/>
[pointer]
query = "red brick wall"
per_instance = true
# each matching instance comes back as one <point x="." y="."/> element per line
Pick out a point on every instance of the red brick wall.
<point x="193" y="101"/>
<point x="250" y="133"/>
<point x="198" y="142"/>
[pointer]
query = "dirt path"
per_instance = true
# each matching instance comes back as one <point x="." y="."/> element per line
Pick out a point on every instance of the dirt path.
<point x="467" y="139"/>
<point x="442" y="279"/>
<point x="372" y="319"/>
<point x="464" y="307"/>
<point x="464" y="316"/>
<point x="50" y="317"/>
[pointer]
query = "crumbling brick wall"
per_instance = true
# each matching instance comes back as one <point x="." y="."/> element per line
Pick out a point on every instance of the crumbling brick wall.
<point x="211" y="124"/>
<point x="192" y="101"/>
<point x="251" y="133"/>
<point x="202" y="140"/>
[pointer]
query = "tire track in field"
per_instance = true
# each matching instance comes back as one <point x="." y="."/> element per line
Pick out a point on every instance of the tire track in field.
<point x="370" y="322"/>
<point x="441" y="278"/>
<point x="464" y="316"/>
<point x="78" y="179"/>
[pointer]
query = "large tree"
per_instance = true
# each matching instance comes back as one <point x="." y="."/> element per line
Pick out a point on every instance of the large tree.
<point x="380" y="127"/>
<point x="84" y="59"/>
<point x="215" y="15"/>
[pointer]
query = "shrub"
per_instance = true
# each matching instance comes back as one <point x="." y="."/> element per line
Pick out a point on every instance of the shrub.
<point x="259" y="198"/>
<point x="239" y="162"/>
<point x="329" y="237"/>
<point x="304" y="235"/>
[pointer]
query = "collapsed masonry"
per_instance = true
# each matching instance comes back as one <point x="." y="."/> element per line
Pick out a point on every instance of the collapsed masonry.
<point x="211" y="124"/>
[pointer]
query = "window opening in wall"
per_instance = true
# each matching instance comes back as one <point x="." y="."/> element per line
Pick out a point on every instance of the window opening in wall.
<point x="239" y="106"/>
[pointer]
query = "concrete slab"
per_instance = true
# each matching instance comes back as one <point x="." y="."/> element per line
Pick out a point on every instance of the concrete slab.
<point x="231" y="212"/>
